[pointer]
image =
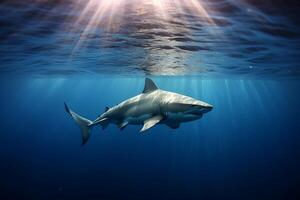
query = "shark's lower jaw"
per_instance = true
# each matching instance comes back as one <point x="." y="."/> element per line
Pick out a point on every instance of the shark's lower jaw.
<point x="205" y="110"/>
<point x="179" y="117"/>
<point x="198" y="113"/>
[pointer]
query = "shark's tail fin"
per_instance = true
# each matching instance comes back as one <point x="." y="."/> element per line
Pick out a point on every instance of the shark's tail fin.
<point x="82" y="122"/>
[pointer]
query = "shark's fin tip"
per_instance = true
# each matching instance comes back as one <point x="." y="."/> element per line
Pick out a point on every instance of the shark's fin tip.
<point x="66" y="107"/>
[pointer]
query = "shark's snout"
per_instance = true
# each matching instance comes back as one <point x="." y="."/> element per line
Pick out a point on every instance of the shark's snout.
<point x="199" y="108"/>
<point x="203" y="107"/>
<point x="206" y="108"/>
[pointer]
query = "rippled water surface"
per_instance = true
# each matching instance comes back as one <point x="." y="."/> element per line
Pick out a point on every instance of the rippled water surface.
<point x="211" y="38"/>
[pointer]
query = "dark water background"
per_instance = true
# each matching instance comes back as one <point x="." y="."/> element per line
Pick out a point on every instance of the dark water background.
<point x="246" y="64"/>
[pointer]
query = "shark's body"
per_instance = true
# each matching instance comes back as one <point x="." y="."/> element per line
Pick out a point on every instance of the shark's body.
<point x="152" y="106"/>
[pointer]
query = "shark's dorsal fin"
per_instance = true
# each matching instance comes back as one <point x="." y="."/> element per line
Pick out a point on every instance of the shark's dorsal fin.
<point x="149" y="86"/>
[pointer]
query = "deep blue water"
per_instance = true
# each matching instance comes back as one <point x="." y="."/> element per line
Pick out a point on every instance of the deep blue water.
<point x="240" y="56"/>
<point x="246" y="148"/>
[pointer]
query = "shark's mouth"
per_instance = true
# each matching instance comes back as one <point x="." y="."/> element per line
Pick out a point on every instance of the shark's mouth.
<point x="197" y="112"/>
<point x="200" y="109"/>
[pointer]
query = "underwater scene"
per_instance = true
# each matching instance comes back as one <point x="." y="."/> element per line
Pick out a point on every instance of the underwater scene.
<point x="150" y="99"/>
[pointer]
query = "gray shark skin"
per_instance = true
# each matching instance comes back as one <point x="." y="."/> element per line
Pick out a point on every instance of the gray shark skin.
<point x="153" y="106"/>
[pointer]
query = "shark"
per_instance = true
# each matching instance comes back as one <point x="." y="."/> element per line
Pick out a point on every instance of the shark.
<point x="153" y="106"/>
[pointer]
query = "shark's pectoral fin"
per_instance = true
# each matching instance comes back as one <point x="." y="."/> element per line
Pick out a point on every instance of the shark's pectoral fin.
<point x="122" y="125"/>
<point x="151" y="122"/>
<point x="173" y="125"/>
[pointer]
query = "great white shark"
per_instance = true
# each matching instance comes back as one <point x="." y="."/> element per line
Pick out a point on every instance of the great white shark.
<point x="153" y="106"/>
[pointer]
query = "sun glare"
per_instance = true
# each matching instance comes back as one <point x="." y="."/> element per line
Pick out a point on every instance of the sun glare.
<point x="110" y="14"/>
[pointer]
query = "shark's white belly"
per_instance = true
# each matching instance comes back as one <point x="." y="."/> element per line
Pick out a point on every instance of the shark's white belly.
<point x="138" y="120"/>
<point x="135" y="110"/>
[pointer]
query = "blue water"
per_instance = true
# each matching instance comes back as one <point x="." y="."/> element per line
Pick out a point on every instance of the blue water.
<point x="244" y="60"/>
<point x="246" y="148"/>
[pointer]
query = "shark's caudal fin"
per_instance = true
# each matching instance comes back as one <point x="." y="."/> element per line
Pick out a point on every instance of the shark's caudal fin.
<point x="82" y="122"/>
<point x="149" y="86"/>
